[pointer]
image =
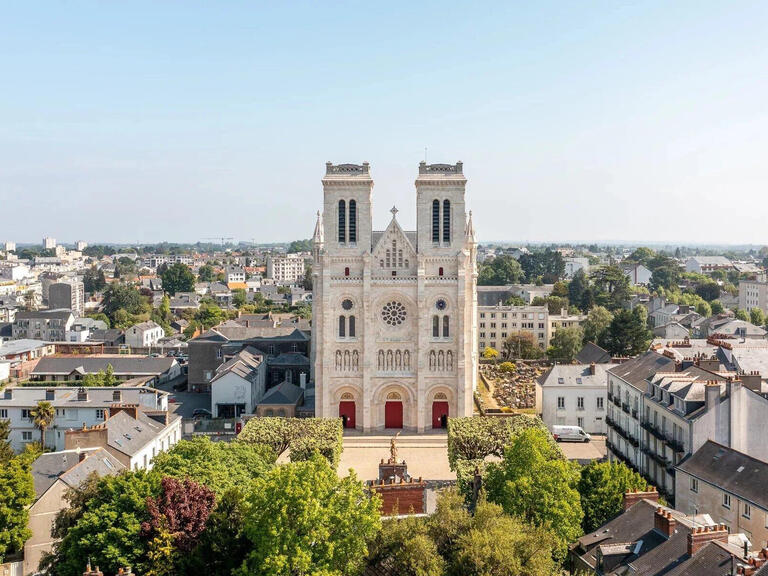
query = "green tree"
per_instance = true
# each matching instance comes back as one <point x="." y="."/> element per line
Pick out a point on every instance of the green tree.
<point x="490" y="353"/>
<point x="642" y="255"/>
<point x="404" y="547"/>
<point x="17" y="492"/>
<point x="300" y="246"/>
<point x="523" y="345"/>
<point x="717" y="307"/>
<point x="566" y="343"/>
<point x="742" y="314"/>
<point x="42" y="417"/>
<point x="757" y="317"/>
<point x="628" y="333"/>
<point x="610" y="287"/>
<point x="560" y="289"/>
<point x="101" y="316"/>
<point x="535" y="483"/>
<point x="205" y="273"/>
<point x="514" y="301"/>
<point x="577" y="287"/>
<point x="109" y="378"/>
<point x="704" y="309"/>
<point x="107" y="526"/>
<point x="6" y="452"/>
<point x="597" y="322"/>
<point x="121" y="297"/>
<point x="238" y="297"/>
<point x="209" y="314"/>
<point x="302" y="517"/>
<point x="547" y="265"/>
<point x="94" y="280"/>
<point x="708" y="290"/>
<point x="178" y="278"/>
<point x="602" y="486"/>
<point x="499" y="271"/>
<point x="666" y="276"/>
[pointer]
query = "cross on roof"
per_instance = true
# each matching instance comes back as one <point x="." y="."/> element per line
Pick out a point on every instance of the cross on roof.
<point x="394" y="211"/>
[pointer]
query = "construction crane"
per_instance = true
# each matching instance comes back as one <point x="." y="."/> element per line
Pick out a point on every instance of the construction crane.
<point x="223" y="239"/>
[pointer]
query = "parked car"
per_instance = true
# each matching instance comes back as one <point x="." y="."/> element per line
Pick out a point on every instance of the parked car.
<point x="172" y="399"/>
<point x="570" y="434"/>
<point x="202" y="413"/>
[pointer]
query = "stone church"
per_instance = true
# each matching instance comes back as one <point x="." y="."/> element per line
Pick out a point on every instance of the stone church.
<point x="394" y="330"/>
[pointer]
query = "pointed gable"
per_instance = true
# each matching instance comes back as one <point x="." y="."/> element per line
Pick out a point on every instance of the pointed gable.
<point x="394" y="251"/>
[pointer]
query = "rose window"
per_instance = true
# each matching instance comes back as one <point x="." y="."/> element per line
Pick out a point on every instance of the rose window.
<point x="393" y="313"/>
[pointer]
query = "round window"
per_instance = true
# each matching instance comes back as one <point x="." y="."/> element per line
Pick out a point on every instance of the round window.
<point x="441" y="304"/>
<point x="393" y="313"/>
<point x="347" y="304"/>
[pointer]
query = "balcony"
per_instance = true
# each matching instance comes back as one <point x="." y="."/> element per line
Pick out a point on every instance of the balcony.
<point x="621" y="432"/>
<point x="610" y="396"/>
<point x="654" y="430"/>
<point x="625" y="407"/>
<point x="634" y="413"/>
<point x="676" y="445"/>
<point x="617" y="401"/>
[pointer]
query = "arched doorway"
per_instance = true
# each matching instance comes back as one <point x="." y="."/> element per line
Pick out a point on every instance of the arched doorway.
<point x="347" y="410"/>
<point x="393" y="411"/>
<point x="440" y="411"/>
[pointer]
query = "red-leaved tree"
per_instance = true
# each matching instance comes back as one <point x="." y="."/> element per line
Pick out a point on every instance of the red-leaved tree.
<point x="181" y="510"/>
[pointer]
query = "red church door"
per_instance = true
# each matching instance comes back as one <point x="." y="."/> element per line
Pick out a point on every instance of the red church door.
<point x="439" y="414"/>
<point x="393" y="415"/>
<point x="347" y="413"/>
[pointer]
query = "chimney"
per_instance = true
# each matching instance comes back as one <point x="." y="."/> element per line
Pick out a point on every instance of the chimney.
<point x="700" y="536"/>
<point x="633" y="497"/>
<point x="712" y="395"/>
<point x="90" y="572"/>
<point x="664" y="522"/>
<point x="131" y="409"/>
<point x="752" y="380"/>
<point x="82" y="395"/>
<point x="50" y="394"/>
<point x="303" y="380"/>
<point x="592" y="369"/>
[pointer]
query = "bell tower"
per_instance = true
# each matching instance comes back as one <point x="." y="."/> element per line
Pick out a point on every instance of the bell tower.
<point x="440" y="215"/>
<point x="347" y="189"/>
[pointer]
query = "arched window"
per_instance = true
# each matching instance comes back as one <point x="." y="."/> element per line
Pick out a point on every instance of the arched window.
<point x="440" y="271"/>
<point x="346" y="271"/>
<point x="446" y="327"/>
<point x="342" y="221"/>
<point x="435" y="326"/>
<point x="342" y="327"/>
<point x="352" y="221"/>
<point x="446" y="220"/>
<point x="351" y="326"/>
<point x="436" y="221"/>
<point x="389" y="258"/>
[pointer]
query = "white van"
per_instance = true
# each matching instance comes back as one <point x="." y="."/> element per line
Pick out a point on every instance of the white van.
<point x="570" y="434"/>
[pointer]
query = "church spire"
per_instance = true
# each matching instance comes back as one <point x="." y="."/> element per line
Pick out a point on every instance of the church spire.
<point x="470" y="235"/>
<point x="319" y="235"/>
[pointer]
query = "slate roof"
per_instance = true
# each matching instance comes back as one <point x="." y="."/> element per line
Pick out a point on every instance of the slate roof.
<point x="574" y="375"/>
<point x="591" y="352"/>
<point x="66" y="465"/>
<point x="110" y="335"/>
<point x="131" y="365"/>
<point x="234" y="331"/>
<point x="729" y="470"/>
<point x="13" y="347"/>
<point x="283" y="393"/>
<point x="129" y="434"/>
<point x="67" y="396"/>
<point x="289" y="359"/>
<point x="637" y="370"/>
<point x="59" y="314"/>
<point x="244" y="364"/>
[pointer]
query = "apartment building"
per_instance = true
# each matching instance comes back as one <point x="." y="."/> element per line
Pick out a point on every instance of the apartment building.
<point x="144" y="334"/>
<point x="573" y="395"/>
<point x="51" y="325"/>
<point x="69" y="294"/>
<point x="155" y="260"/>
<point x="496" y="323"/>
<point x="49" y="243"/>
<point x="753" y="294"/>
<point x="289" y="268"/>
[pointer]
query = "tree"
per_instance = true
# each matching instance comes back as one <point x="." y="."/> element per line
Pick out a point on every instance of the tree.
<point x="535" y="483"/>
<point x="717" y="307"/>
<point x="523" y="345"/>
<point x="94" y="280"/>
<point x="205" y="273"/>
<point x="742" y="314"/>
<point x="17" y="493"/>
<point x="42" y="417"/>
<point x="121" y="297"/>
<point x="209" y="314"/>
<point x="666" y="276"/>
<point x="306" y="281"/>
<point x="576" y="288"/>
<point x="405" y="547"/>
<point x="304" y="436"/>
<point x="597" y="322"/>
<point x="611" y="287"/>
<point x="642" y="255"/>
<point x="238" y="297"/>
<point x="106" y="527"/>
<point x="514" y="301"/>
<point x="704" y="309"/>
<point x="560" y="289"/>
<point x="627" y="334"/>
<point x="548" y="265"/>
<point x="109" y="379"/>
<point x="757" y="317"/>
<point x="499" y="271"/>
<point x="6" y="452"/>
<point x="490" y="353"/>
<point x="602" y="486"/>
<point x="708" y="290"/>
<point x="566" y="343"/>
<point x="302" y="517"/>
<point x="178" y="278"/>
<point x="300" y="246"/>
<point x="101" y="316"/>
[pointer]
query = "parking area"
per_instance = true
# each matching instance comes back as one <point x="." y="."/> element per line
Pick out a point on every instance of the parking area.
<point x="584" y="452"/>
<point x="186" y="402"/>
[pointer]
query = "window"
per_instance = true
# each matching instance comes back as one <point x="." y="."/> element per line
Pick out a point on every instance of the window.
<point x="26" y="436"/>
<point x="351" y="326"/>
<point x="440" y="271"/>
<point x="561" y="402"/>
<point x="446" y="329"/>
<point x="3" y="413"/>
<point x="207" y="375"/>
<point x="694" y="485"/>
<point x="436" y="221"/>
<point x="352" y="221"/>
<point x="99" y="413"/>
<point x="580" y="403"/>
<point x="218" y="353"/>
<point x="342" y="327"/>
<point x="747" y="512"/>
<point x="727" y="501"/>
<point x="346" y="271"/>
<point x="26" y="413"/>
<point x="446" y="221"/>
<point x="580" y="422"/>
<point x="342" y="221"/>
<point x="435" y="326"/>
<point x="600" y="400"/>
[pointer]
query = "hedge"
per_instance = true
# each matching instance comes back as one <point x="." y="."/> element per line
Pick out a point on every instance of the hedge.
<point x="302" y="436"/>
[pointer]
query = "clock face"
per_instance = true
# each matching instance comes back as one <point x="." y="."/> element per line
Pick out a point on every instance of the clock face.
<point x="441" y="304"/>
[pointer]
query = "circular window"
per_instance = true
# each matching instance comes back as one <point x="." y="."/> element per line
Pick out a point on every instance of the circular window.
<point x="393" y="313"/>
<point x="441" y="304"/>
<point x="347" y="304"/>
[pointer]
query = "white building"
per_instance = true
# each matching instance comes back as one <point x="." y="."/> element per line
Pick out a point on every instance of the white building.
<point x="575" y="263"/>
<point x="144" y="334"/>
<point x="239" y="384"/>
<point x="80" y="245"/>
<point x="289" y="268"/>
<point x="753" y="294"/>
<point x="394" y="337"/>
<point x="638" y="275"/>
<point x="496" y="324"/>
<point x="235" y="274"/>
<point x="573" y="395"/>
<point x="49" y="243"/>
<point x="10" y="246"/>
<point x="10" y="270"/>
<point x="707" y="264"/>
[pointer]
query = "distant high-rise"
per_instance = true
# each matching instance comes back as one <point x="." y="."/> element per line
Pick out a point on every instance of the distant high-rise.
<point x="67" y="294"/>
<point x="80" y="245"/>
<point x="10" y="246"/>
<point x="49" y="243"/>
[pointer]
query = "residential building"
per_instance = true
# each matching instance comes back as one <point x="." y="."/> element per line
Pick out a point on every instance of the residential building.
<point x="10" y="246"/>
<point x="564" y="320"/>
<point x="50" y="325"/>
<point x="235" y="274"/>
<point x="144" y="335"/>
<point x="707" y="264"/>
<point x="10" y="270"/>
<point x="728" y="483"/>
<point x="573" y="395"/>
<point x="638" y="274"/>
<point x="591" y="353"/>
<point x="67" y="295"/>
<point x="575" y="263"/>
<point x="651" y="539"/>
<point x="283" y="400"/>
<point x="496" y="324"/>
<point x="394" y="330"/>
<point x="80" y="245"/>
<point x="25" y="350"/>
<point x="74" y="406"/>
<point x="753" y="294"/>
<point x="286" y="269"/>
<point x="239" y="384"/>
<point x="154" y="260"/>
<point x="498" y="295"/>
<point x="49" y="243"/>
<point x="671" y="331"/>
<point x="124" y="367"/>
<point x="54" y="474"/>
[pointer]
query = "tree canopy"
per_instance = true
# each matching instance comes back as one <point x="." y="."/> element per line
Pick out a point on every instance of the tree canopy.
<point x="17" y="492"/>
<point x="602" y="486"/>
<point x="566" y="343"/>
<point x="499" y="271"/>
<point x="178" y="278"/>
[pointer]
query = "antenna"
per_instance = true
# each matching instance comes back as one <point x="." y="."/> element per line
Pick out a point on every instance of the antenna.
<point x="425" y="154"/>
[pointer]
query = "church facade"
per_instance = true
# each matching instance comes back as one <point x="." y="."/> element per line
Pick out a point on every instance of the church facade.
<point x="394" y="329"/>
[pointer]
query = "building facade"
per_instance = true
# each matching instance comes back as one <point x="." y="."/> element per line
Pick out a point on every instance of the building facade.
<point x="496" y="323"/>
<point x="753" y="294"/>
<point x="573" y="395"/>
<point x="289" y="268"/>
<point x="68" y="295"/>
<point x="394" y="337"/>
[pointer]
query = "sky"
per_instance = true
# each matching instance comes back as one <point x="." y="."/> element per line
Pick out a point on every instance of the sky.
<point x="576" y="121"/>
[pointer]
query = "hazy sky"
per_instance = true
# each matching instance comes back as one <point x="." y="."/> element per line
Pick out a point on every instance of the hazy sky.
<point x="575" y="120"/>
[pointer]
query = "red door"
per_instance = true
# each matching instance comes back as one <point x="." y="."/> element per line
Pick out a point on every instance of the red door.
<point x="347" y="413"/>
<point x="393" y="415"/>
<point x="439" y="414"/>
